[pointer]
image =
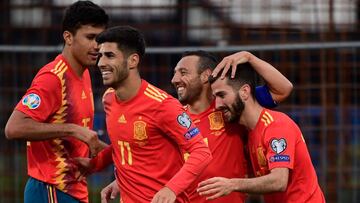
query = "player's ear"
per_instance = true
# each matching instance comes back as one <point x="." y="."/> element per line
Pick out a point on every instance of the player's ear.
<point x="204" y="76"/>
<point x="133" y="61"/>
<point x="68" y="37"/>
<point x="245" y="92"/>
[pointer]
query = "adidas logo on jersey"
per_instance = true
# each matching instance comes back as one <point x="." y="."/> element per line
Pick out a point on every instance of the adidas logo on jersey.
<point x="83" y="95"/>
<point x="122" y="119"/>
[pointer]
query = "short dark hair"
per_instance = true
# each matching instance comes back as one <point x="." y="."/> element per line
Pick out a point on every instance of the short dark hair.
<point x="128" y="39"/>
<point x="83" y="13"/>
<point x="245" y="74"/>
<point x="206" y="59"/>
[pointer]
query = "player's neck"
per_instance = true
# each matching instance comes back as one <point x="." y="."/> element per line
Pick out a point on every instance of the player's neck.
<point x="202" y="103"/>
<point x="251" y="114"/>
<point x="74" y="64"/>
<point x="129" y="87"/>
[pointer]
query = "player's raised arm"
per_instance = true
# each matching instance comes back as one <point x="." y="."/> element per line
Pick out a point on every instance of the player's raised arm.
<point x="279" y="86"/>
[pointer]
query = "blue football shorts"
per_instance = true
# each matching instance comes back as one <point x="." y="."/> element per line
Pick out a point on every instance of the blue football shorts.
<point x="40" y="192"/>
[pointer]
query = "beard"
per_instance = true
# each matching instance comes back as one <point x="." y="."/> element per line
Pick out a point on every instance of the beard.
<point x="235" y="110"/>
<point x="192" y="93"/>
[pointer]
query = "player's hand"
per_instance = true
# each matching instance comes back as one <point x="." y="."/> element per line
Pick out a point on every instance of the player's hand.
<point x="94" y="143"/>
<point x="89" y="137"/>
<point x="109" y="192"/>
<point x="165" y="195"/>
<point x="231" y="61"/>
<point x="84" y="167"/>
<point x="215" y="187"/>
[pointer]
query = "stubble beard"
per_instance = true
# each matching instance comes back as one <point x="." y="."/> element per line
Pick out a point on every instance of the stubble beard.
<point x="192" y="94"/>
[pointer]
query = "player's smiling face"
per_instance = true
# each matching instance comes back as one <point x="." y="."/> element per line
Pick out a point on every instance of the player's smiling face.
<point x="83" y="45"/>
<point x="112" y="64"/>
<point x="227" y="100"/>
<point x="186" y="79"/>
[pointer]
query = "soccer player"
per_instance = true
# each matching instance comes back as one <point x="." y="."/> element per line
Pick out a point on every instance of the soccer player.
<point x="279" y="156"/>
<point x="56" y="114"/>
<point x="225" y="140"/>
<point x="147" y="127"/>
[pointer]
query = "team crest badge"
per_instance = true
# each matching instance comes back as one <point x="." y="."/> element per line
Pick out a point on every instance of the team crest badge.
<point x="261" y="157"/>
<point x="216" y="120"/>
<point x="32" y="101"/>
<point x="140" y="130"/>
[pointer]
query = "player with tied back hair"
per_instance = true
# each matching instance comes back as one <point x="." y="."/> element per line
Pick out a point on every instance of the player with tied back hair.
<point x="56" y="114"/>
<point x="147" y="127"/>
<point x="279" y="156"/>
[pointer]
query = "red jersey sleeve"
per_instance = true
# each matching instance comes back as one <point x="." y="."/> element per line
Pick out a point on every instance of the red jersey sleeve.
<point x="178" y="125"/>
<point x="43" y="98"/>
<point x="102" y="160"/>
<point x="279" y="140"/>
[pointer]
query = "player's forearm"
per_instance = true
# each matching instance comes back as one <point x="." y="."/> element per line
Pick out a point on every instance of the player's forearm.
<point x="19" y="126"/>
<point x="200" y="157"/>
<point x="259" y="185"/>
<point x="280" y="87"/>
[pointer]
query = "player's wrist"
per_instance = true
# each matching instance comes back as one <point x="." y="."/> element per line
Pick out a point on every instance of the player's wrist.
<point x="250" y="57"/>
<point x="68" y="129"/>
<point x="172" y="188"/>
<point x="235" y="184"/>
<point x="74" y="130"/>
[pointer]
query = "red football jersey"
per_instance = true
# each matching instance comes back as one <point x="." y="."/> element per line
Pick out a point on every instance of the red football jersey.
<point x="57" y="95"/>
<point x="147" y="133"/>
<point x="277" y="142"/>
<point x="227" y="148"/>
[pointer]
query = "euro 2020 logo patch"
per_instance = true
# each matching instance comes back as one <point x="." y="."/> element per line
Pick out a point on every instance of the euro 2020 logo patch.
<point x="184" y="120"/>
<point x="32" y="101"/>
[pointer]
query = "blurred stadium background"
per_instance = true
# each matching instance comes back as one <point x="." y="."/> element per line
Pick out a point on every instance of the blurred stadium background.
<point x="315" y="43"/>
